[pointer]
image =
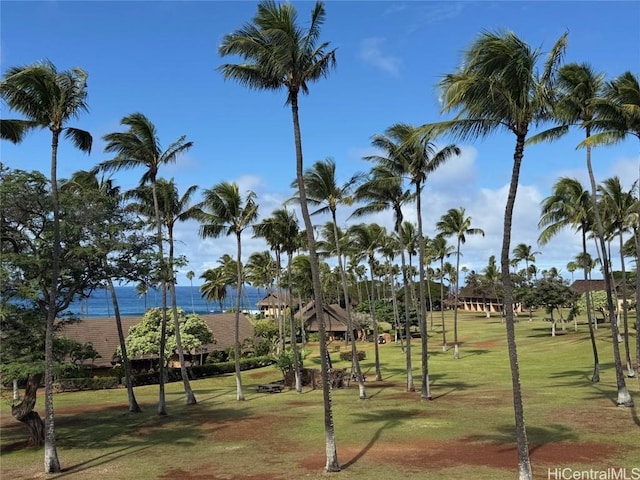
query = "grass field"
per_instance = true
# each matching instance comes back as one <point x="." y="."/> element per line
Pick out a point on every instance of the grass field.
<point x="465" y="432"/>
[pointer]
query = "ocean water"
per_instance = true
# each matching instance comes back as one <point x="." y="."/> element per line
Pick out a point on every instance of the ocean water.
<point x="131" y="304"/>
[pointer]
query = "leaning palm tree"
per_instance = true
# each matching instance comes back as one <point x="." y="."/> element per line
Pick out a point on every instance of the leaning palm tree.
<point x="570" y="205"/>
<point x="619" y="206"/>
<point x="581" y="103"/>
<point x="324" y="192"/>
<point x="139" y="146"/>
<point x="413" y="154"/>
<point x="280" y="55"/>
<point x="224" y="211"/>
<point x="382" y="191"/>
<point x="497" y="88"/>
<point x="174" y="208"/>
<point x="441" y="250"/>
<point x="47" y="99"/>
<point x="455" y="223"/>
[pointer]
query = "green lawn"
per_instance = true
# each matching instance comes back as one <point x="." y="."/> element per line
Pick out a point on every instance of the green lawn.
<point x="465" y="432"/>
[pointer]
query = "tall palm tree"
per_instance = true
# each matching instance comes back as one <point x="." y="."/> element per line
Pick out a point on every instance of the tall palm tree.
<point x="497" y="87"/>
<point x="367" y="238"/>
<point x="139" y="146"/>
<point x="619" y="207"/>
<point x="174" y="208"/>
<point x="524" y="252"/>
<point x="414" y="154"/>
<point x="278" y="54"/>
<point x="570" y="205"/>
<point x="324" y="192"/>
<point x="455" y="223"/>
<point x="382" y="191"/>
<point x="190" y="275"/>
<point x="47" y="99"/>
<point x="226" y="212"/>
<point x="581" y="103"/>
<point x="88" y="181"/>
<point x="441" y="250"/>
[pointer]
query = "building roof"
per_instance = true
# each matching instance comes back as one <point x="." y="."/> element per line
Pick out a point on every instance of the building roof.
<point x="103" y="333"/>
<point x="335" y="317"/>
<point x="580" y="286"/>
<point x="275" y="299"/>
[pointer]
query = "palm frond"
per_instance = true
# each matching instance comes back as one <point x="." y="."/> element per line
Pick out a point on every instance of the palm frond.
<point x="80" y="138"/>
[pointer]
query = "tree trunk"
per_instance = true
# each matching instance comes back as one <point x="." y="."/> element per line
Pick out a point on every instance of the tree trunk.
<point x="374" y="323"/>
<point x="162" y="404"/>
<point x="332" y="464"/>
<point x="405" y="278"/>
<point x="294" y="340"/>
<point x="595" y="378"/>
<point x="456" y="348"/>
<point x="524" y="463"/>
<point x="444" y="331"/>
<point x="236" y="350"/>
<point x="625" y="314"/>
<point x="51" y="462"/>
<point x="624" y="397"/>
<point x="425" y="391"/>
<point x="347" y="303"/>
<point x="126" y="364"/>
<point x="23" y="412"/>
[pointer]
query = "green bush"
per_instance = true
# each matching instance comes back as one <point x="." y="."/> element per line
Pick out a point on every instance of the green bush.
<point x="96" y="383"/>
<point x="312" y="337"/>
<point x="211" y="369"/>
<point x="346" y="356"/>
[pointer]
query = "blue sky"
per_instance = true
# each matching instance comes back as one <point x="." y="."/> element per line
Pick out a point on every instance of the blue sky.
<point x="160" y="58"/>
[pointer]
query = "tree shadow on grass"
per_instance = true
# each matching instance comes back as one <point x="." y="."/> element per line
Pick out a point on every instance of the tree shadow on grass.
<point x="393" y="418"/>
<point x="537" y="436"/>
<point x="447" y="387"/>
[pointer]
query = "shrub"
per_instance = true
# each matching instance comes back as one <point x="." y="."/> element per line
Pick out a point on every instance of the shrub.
<point x="346" y="356"/>
<point x="96" y="383"/>
<point x="313" y="337"/>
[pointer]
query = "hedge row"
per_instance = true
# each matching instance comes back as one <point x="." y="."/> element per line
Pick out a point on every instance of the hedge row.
<point x="97" y="383"/>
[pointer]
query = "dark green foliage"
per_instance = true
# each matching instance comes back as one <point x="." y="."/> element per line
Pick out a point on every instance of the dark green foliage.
<point x="74" y="384"/>
<point x="347" y="356"/>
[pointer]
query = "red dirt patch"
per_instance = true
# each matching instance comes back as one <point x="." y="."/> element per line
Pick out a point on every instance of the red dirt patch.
<point x="487" y="344"/>
<point x="186" y="475"/>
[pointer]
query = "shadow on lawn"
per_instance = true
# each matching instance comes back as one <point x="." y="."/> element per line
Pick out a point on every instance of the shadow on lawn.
<point x="537" y="436"/>
<point x="393" y="418"/>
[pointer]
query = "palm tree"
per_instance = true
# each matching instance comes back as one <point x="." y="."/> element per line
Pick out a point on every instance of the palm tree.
<point x="570" y="205"/>
<point x="454" y="223"/>
<point x="174" y="208"/>
<point x="139" y="146"/>
<point x="279" y="55"/>
<point x="367" y="238"/>
<point x="48" y="99"/>
<point x="619" y="207"/>
<point x="497" y="88"/>
<point x="226" y="212"/>
<point x="414" y="154"/>
<point x="441" y="250"/>
<point x="382" y="191"/>
<point x="521" y="252"/>
<point x="324" y="192"/>
<point x="215" y="285"/>
<point x="581" y="103"/>
<point x="491" y="277"/>
<point x="190" y="274"/>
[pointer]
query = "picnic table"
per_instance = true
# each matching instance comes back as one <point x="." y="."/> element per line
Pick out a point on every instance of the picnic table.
<point x="270" y="388"/>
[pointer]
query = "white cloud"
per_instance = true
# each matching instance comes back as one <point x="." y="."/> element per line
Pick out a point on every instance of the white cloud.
<point x="371" y="52"/>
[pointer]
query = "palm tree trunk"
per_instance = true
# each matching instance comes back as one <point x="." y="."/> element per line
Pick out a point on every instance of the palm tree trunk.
<point x="332" y="464"/>
<point x="444" y="331"/>
<point x="347" y="304"/>
<point x="625" y="312"/>
<point x="524" y="463"/>
<point x="292" y="326"/>
<point x="126" y="364"/>
<point x="425" y="391"/>
<point x="456" y="348"/>
<point x="236" y="350"/>
<point x="595" y="378"/>
<point x="405" y="278"/>
<point x="374" y="323"/>
<point x="24" y="412"/>
<point x="162" y="404"/>
<point x="51" y="461"/>
<point x="624" y="397"/>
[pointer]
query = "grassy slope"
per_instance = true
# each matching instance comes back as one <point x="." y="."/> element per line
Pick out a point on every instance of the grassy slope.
<point x="281" y="436"/>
